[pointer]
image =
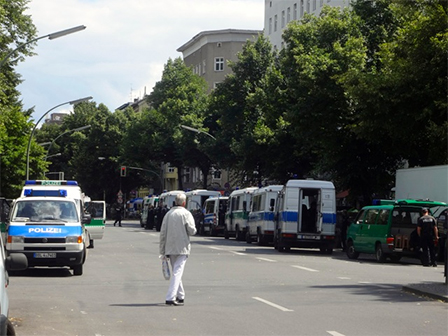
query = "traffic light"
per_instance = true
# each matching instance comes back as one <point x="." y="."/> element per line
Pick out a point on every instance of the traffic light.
<point x="123" y="171"/>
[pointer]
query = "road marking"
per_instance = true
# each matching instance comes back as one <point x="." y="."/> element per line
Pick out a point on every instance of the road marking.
<point x="272" y="304"/>
<point x="266" y="259"/>
<point x="239" y="253"/>
<point x="364" y="282"/>
<point x="305" y="268"/>
<point x="335" y="333"/>
<point x="216" y="248"/>
<point x="343" y="278"/>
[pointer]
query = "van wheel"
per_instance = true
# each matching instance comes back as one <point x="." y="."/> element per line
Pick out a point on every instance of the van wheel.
<point x="91" y="244"/>
<point x="238" y="233"/>
<point x="77" y="270"/>
<point x="226" y="234"/>
<point x="10" y="329"/>
<point x="379" y="254"/>
<point x="350" y="251"/>
<point x="260" y="240"/>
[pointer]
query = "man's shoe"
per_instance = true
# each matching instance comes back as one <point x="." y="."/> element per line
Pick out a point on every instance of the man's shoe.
<point x="180" y="301"/>
<point x="434" y="265"/>
<point x="173" y="303"/>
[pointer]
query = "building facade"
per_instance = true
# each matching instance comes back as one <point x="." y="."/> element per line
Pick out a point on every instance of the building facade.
<point x="209" y="52"/>
<point x="278" y="13"/>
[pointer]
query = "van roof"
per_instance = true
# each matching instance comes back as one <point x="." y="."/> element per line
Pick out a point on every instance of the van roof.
<point x="309" y="184"/>
<point x="248" y="190"/>
<point x="411" y="202"/>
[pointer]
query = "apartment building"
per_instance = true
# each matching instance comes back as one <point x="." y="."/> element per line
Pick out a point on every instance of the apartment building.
<point x="209" y="52"/>
<point x="278" y="13"/>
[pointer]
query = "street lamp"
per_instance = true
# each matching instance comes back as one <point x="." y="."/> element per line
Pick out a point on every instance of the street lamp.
<point x="68" y="131"/>
<point x="73" y="102"/>
<point x="51" y="36"/>
<point x="57" y="154"/>
<point x="197" y="131"/>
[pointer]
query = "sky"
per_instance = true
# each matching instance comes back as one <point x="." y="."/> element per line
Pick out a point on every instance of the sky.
<point x="122" y="52"/>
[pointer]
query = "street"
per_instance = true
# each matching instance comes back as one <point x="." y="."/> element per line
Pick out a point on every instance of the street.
<point x="232" y="288"/>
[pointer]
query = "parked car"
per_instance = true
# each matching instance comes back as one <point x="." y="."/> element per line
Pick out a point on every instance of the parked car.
<point x="15" y="261"/>
<point x="387" y="229"/>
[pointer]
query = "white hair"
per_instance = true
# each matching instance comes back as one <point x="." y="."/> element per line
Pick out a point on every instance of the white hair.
<point x="180" y="199"/>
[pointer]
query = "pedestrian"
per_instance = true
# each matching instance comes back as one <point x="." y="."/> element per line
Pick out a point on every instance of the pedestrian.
<point x="427" y="231"/>
<point x="177" y="227"/>
<point x="150" y="218"/>
<point x="118" y="211"/>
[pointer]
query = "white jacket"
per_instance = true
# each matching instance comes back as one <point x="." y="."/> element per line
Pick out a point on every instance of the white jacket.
<point x="177" y="227"/>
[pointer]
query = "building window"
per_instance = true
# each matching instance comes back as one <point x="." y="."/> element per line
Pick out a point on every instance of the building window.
<point x="203" y="67"/>
<point x="301" y="8"/>
<point x="219" y="64"/>
<point x="215" y="84"/>
<point x="216" y="174"/>
<point x="308" y="8"/>
<point x="275" y="23"/>
<point x="294" y="13"/>
<point x="283" y="19"/>
<point x="314" y="5"/>
<point x="171" y="169"/>
<point x="288" y="15"/>
<point x="321" y="3"/>
<point x="270" y="26"/>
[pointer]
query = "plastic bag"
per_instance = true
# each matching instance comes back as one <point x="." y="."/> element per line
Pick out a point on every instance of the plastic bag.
<point x="165" y="267"/>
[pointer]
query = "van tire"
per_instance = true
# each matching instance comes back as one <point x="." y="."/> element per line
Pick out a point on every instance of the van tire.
<point x="350" y="251"/>
<point x="379" y="254"/>
<point x="226" y="234"/>
<point x="238" y="234"/>
<point x="10" y="329"/>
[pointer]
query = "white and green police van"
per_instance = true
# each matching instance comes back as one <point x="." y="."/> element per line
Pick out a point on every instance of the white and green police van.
<point x="46" y="224"/>
<point x="238" y="207"/>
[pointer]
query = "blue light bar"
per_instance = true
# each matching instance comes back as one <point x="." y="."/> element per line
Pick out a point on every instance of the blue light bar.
<point x="28" y="192"/>
<point x="50" y="182"/>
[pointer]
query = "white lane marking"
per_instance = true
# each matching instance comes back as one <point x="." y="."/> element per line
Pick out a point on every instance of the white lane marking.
<point x="364" y="282"/>
<point x="266" y="259"/>
<point x="239" y="253"/>
<point x="272" y="304"/>
<point x="216" y="248"/>
<point x="305" y="268"/>
<point x="83" y="312"/>
<point x="335" y="333"/>
<point x="343" y="278"/>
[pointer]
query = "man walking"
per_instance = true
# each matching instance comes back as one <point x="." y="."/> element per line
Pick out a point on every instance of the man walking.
<point x="427" y="230"/>
<point x="177" y="227"/>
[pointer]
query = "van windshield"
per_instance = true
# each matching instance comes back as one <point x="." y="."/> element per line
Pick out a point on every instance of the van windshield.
<point x="45" y="210"/>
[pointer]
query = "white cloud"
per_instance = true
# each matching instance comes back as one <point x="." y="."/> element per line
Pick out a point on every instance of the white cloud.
<point x="124" y="48"/>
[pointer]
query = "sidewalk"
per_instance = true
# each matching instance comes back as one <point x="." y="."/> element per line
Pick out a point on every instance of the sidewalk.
<point x="433" y="290"/>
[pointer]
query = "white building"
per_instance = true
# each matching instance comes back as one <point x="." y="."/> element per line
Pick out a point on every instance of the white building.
<point x="278" y="13"/>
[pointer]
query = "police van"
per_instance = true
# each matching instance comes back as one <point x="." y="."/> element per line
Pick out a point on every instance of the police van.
<point x="148" y="201"/>
<point x="167" y="198"/>
<point x="195" y="203"/>
<point x="261" y="224"/>
<point x="214" y="216"/>
<point x="237" y="213"/>
<point x="306" y="215"/>
<point x="47" y="225"/>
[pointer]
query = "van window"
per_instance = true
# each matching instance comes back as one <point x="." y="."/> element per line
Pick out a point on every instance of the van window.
<point x="257" y="202"/>
<point x="360" y="217"/>
<point x="371" y="216"/>
<point x="405" y="217"/>
<point x="209" y="207"/>
<point x="383" y="217"/>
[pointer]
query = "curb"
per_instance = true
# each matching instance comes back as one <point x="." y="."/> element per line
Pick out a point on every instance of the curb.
<point x="424" y="293"/>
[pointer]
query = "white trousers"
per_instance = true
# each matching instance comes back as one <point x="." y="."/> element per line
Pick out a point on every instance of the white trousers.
<point x="176" y="290"/>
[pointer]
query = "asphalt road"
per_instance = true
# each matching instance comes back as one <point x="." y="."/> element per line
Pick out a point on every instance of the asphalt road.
<point x="232" y="288"/>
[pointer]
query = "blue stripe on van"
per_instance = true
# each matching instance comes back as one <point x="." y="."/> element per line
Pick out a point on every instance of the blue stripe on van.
<point x="36" y="231"/>
<point x="261" y="216"/>
<point x="292" y="216"/>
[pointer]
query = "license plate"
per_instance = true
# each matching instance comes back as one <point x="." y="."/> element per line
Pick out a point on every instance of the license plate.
<point x="308" y="237"/>
<point x="45" y="255"/>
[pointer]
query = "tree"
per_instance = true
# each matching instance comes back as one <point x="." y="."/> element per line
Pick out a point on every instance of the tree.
<point x="238" y="115"/>
<point x="178" y="99"/>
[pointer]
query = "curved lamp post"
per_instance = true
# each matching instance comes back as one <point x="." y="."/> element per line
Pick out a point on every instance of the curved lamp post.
<point x="73" y="102"/>
<point x="68" y="131"/>
<point x="51" y="36"/>
<point x="197" y="131"/>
